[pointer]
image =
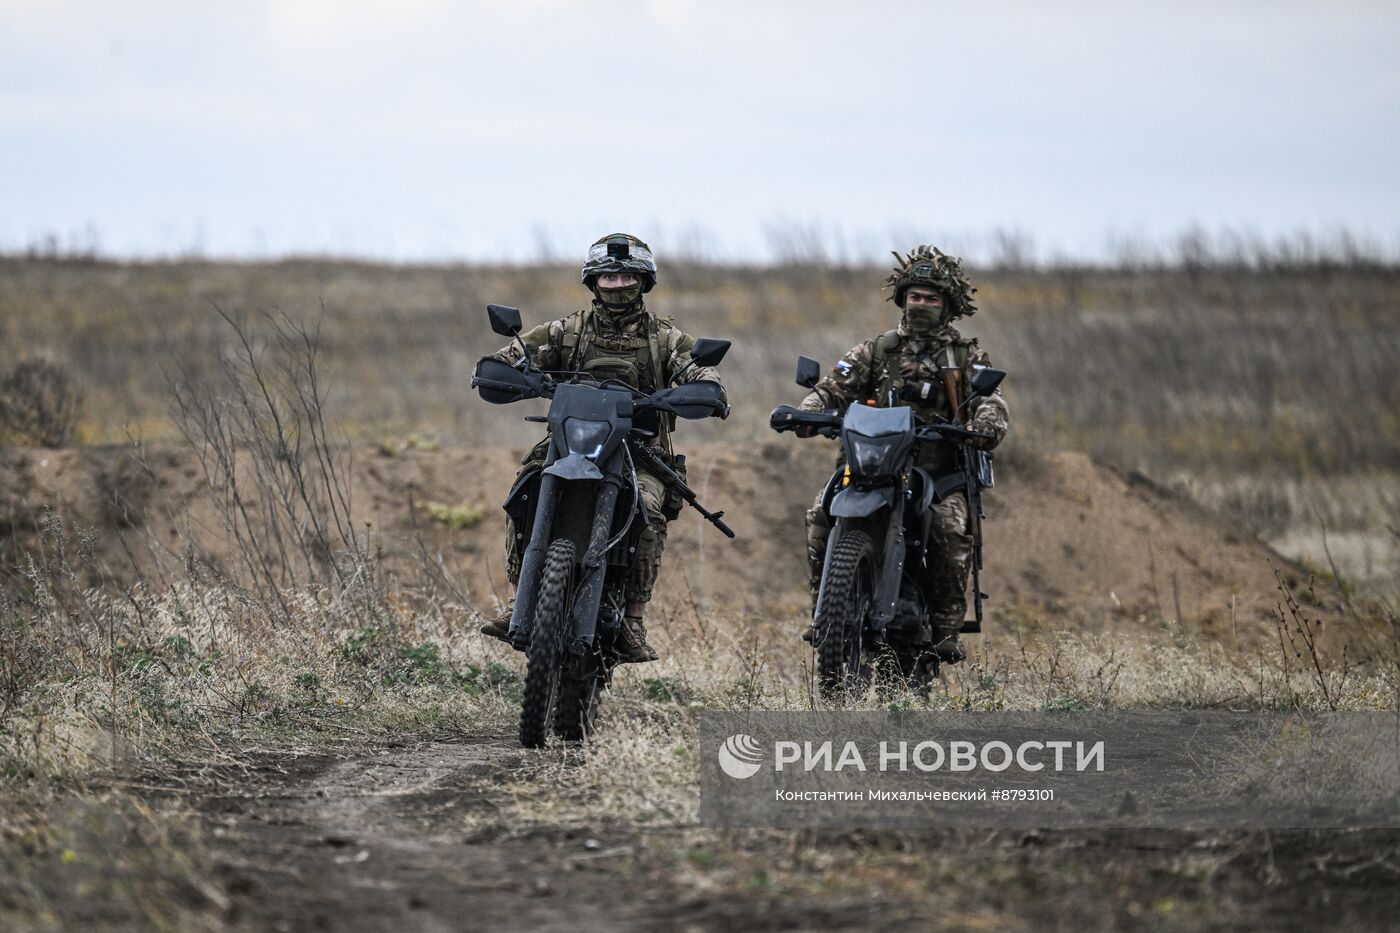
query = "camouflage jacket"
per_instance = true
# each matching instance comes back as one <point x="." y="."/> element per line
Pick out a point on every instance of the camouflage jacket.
<point x="911" y="362"/>
<point x="640" y="349"/>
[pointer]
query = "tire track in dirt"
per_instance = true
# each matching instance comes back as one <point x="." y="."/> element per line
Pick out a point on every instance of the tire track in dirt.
<point x="408" y="837"/>
<point x="379" y="840"/>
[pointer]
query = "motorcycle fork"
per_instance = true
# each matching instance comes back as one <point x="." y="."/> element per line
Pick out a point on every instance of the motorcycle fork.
<point x="836" y="531"/>
<point x="886" y="596"/>
<point x="589" y="593"/>
<point x="522" y="619"/>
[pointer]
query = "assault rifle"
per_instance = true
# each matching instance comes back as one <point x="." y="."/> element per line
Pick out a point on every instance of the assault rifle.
<point x="657" y="466"/>
<point x="976" y="467"/>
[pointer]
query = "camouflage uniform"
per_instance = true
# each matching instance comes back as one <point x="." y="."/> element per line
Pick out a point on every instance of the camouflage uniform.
<point x="907" y="363"/>
<point x="643" y="351"/>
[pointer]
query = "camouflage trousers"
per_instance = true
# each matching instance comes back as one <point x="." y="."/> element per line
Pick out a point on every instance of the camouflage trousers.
<point x="949" y="559"/>
<point x="650" y="546"/>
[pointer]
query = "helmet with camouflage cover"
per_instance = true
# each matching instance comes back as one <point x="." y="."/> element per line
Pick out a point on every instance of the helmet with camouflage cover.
<point x="619" y="252"/>
<point x="931" y="267"/>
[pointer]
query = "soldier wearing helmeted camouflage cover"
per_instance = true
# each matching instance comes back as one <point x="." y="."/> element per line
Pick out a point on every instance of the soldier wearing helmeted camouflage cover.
<point x="617" y="337"/>
<point x="906" y="366"/>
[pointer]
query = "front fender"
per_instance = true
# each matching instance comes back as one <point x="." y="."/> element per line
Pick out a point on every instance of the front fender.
<point x="858" y="503"/>
<point x="574" y="466"/>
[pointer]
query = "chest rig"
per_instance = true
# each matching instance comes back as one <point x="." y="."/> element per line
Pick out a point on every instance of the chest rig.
<point x="638" y="359"/>
<point x="923" y="386"/>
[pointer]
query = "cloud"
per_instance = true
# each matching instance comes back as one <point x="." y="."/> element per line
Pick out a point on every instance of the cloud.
<point x="1062" y="120"/>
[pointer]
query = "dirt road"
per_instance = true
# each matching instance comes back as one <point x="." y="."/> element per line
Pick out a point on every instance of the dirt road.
<point x="408" y="837"/>
<point x="382" y="840"/>
<point x="404" y="838"/>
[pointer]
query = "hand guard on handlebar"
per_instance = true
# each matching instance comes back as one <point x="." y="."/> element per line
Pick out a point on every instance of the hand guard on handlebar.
<point x="787" y="418"/>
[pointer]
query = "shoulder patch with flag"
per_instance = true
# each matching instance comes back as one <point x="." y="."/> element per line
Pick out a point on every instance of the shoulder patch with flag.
<point x="843" y="367"/>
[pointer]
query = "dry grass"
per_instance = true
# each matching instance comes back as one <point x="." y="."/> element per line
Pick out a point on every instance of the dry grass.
<point x="97" y="685"/>
<point x="105" y="862"/>
<point x="1264" y="386"/>
<point x="649" y="729"/>
<point x="1226" y="368"/>
<point x="1243" y="385"/>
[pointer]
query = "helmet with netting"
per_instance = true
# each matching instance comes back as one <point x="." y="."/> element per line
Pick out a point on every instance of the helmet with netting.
<point x="930" y="267"/>
<point x="622" y="253"/>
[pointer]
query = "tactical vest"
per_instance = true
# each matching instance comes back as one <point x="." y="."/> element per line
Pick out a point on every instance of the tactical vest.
<point x="638" y="360"/>
<point x="892" y="379"/>
<point x="937" y="457"/>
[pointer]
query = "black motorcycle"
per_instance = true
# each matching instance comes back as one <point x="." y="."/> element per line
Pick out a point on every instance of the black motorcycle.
<point x="581" y="516"/>
<point x="872" y="609"/>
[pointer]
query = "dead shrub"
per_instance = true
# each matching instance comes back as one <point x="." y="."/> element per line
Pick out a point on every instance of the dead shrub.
<point x="39" y="404"/>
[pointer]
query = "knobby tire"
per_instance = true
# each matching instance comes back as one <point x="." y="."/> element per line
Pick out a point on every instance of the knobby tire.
<point x="545" y="658"/>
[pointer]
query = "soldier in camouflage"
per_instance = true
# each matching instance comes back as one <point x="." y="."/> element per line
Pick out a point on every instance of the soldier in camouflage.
<point x="617" y="337"/>
<point x="905" y="367"/>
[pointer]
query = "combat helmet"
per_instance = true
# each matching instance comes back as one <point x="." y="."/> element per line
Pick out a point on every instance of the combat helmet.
<point x="619" y="252"/>
<point x="931" y="267"/>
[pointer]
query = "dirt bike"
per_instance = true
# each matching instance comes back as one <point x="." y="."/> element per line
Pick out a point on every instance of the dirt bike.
<point x="872" y="610"/>
<point x="582" y="515"/>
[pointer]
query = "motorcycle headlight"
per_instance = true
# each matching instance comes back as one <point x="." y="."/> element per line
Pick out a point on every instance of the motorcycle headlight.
<point x="586" y="437"/>
<point x="871" y="456"/>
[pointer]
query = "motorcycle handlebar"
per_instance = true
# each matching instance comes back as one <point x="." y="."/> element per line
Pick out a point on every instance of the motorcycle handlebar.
<point x="544" y="382"/>
<point x="786" y="418"/>
<point x="828" y="424"/>
<point x="946" y="431"/>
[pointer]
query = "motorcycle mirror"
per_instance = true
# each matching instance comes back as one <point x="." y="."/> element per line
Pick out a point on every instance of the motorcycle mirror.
<point x="708" y="351"/>
<point x="504" y="321"/>
<point x="986" y="379"/>
<point x="809" y="371"/>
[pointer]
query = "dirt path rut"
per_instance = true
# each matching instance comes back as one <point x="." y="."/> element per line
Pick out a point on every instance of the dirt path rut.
<point x="383" y="840"/>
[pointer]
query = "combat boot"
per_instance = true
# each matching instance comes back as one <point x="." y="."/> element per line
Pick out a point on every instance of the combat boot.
<point x="948" y="646"/>
<point x="499" y="627"/>
<point x="633" y="643"/>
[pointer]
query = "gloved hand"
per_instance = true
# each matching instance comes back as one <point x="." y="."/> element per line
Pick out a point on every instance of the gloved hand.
<point x="805" y="430"/>
<point x="980" y="443"/>
<point x="918" y="392"/>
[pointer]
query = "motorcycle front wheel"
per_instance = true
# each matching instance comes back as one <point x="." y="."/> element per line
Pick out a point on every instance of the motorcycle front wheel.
<point x="545" y="659"/>
<point x="843" y="665"/>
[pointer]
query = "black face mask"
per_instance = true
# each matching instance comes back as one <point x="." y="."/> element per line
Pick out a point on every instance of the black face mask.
<point x="620" y="299"/>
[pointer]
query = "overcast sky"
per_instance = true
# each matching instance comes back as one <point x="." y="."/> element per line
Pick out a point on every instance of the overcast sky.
<point x="418" y="129"/>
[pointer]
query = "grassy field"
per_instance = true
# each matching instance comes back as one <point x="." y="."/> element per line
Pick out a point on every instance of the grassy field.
<point x="1265" y="391"/>
<point x="194" y="749"/>
<point x="184" y="757"/>
<point x="199" y="757"/>
<point x="1223" y="368"/>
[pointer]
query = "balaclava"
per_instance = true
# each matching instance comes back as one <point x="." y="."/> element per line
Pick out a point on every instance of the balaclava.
<point x="923" y="320"/>
<point x="619" y="302"/>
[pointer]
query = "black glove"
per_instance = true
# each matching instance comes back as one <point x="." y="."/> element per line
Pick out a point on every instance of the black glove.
<point x="920" y="393"/>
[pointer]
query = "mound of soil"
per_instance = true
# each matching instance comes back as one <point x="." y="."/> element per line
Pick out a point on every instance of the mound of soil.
<point x="1070" y="545"/>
